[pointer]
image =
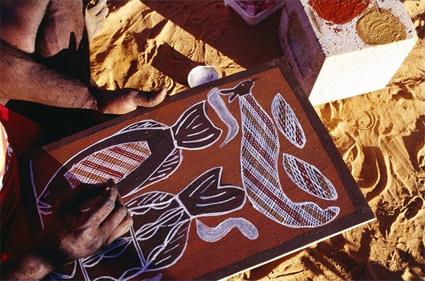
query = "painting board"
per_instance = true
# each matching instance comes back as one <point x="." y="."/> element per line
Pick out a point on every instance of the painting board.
<point x="216" y="196"/>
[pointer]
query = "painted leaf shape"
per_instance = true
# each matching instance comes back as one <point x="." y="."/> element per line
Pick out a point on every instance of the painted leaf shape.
<point x="145" y="124"/>
<point x="166" y="220"/>
<point x="156" y="199"/>
<point x="166" y="168"/>
<point x="287" y="122"/>
<point x="114" y="162"/>
<point x="116" y="249"/>
<point x="129" y="274"/>
<point x="206" y="197"/>
<point x="171" y="250"/>
<point x="158" y="222"/>
<point x="156" y="212"/>
<point x="309" y="178"/>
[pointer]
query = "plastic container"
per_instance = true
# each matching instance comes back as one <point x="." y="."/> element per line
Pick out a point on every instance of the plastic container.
<point x="250" y="16"/>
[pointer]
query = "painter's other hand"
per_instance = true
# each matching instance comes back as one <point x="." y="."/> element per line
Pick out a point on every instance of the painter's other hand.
<point x="90" y="218"/>
<point x="126" y="100"/>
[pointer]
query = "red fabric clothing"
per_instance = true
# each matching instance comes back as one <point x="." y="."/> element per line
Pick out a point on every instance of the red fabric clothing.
<point x="9" y="194"/>
<point x="18" y="135"/>
<point x="22" y="132"/>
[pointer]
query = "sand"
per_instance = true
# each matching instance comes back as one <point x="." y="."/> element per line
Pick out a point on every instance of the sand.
<point x="380" y="135"/>
<point x="379" y="26"/>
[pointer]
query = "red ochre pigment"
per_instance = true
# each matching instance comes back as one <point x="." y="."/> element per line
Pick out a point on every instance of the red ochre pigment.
<point x="339" y="11"/>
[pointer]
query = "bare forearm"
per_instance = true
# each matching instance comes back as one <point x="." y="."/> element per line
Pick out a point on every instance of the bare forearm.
<point x="20" y="22"/>
<point x="36" y="261"/>
<point x="27" y="267"/>
<point x="23" y="78"/>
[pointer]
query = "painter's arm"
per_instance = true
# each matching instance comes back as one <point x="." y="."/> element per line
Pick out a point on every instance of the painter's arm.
<point x="90" y="218"/>
<point x="22" y="78"/>
<point x="31" y="266"/>
<point x="20" y="21"/>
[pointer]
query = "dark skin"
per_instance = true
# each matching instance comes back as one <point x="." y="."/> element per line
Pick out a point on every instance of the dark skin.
<point x="91" y="217"/>
<point x="24" y="78"/>
<point x="88" y="219"/>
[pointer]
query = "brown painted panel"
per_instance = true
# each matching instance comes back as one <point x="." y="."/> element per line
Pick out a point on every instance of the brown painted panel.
<point x="186" y="171"/>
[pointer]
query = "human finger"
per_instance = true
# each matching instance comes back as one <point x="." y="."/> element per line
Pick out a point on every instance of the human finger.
<point x="91" y="196"/>
<point x="72" y="201"/>
<point x="99" y="214"/>
<point x="121" y="229"/>
<point x="146" y="99"/>
<point x="90" y="193"/>
<point x="114" y="218"/>
<point x="86" y="210"/>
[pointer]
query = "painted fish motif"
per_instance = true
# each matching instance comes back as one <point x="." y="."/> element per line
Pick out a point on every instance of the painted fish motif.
<point x="162" y="221"/>
<point x="135" y="157"/>
<point x="259" y="166"/>
<point x="308" y="178"/>
<point x="287" y="122"/>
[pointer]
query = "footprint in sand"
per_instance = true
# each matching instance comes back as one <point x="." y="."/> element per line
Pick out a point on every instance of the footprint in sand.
<point x="373" y="174"/>
<point x="415" y="145"/>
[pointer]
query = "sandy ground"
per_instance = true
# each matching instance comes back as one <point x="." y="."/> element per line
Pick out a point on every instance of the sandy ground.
<point x="380" y="135"/>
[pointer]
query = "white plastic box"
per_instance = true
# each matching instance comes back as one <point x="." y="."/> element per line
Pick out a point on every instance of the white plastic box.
<point x="250" y="17"/>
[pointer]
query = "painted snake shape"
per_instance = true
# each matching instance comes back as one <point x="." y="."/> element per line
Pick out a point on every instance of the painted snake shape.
<point x="259" y="166"/>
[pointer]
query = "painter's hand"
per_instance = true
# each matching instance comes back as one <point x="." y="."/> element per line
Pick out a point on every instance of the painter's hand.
<point x="126" y="100"/>
<point x="89" y="219"/>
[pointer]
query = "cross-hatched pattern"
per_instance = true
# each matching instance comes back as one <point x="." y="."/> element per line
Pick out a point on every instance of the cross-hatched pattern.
<point x="287" y="122"/>
<point x="308" y="178"/>
<point x="259" y="161"/>
<point x="114" y="162"/>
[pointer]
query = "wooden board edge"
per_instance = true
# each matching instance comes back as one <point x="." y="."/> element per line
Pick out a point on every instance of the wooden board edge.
<point x="170" y="99"/>
<point x="271" y="255"/>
